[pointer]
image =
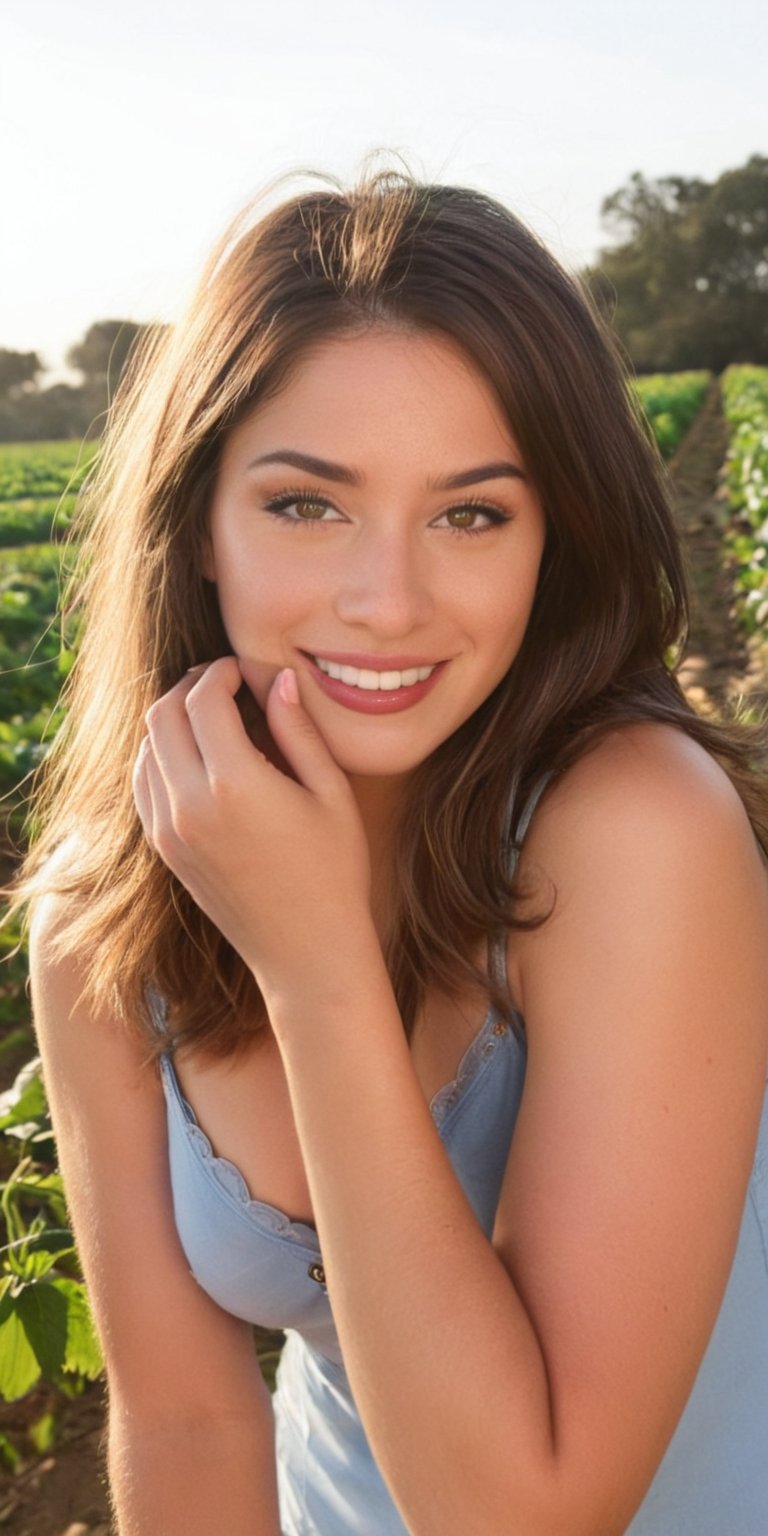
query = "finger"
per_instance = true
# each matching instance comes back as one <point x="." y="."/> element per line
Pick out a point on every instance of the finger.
<point x="141" y="791"/>
<point x="151" y="796"/>
<point x="298" y="738"/>
<point x="174" y="748"/>
<point x="228" y="751"/>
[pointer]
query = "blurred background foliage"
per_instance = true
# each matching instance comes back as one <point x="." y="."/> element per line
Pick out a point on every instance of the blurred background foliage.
<point x="684" y="279"/>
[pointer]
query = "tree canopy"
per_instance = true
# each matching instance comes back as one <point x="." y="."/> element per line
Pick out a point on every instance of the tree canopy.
<point x="686" y="279"/>
<point x="28" y="412"/>
<point x="104" y="351"/>
<point x="18" y="371"/>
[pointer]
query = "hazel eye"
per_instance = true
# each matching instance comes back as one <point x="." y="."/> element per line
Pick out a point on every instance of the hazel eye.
<point x="310" y="511"/>
<point x="471" y="517"/>
<point x="295" y="507"/>
<point x="463" y="517"/>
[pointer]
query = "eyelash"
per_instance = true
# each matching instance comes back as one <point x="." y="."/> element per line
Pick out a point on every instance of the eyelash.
<point x="278" y="505"/>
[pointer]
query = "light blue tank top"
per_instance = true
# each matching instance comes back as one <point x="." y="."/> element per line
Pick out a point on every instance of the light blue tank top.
<point x="259" y="1265"/>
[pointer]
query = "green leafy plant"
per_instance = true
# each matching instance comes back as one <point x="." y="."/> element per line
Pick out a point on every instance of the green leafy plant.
<point x="45" y="1324"/>
<point x="44" y="469"/>
<point x="745" y="402"/>
<point x="671" y="402"/>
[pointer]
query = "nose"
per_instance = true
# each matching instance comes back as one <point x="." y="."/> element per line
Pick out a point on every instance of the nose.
<point x="385" y="585"/>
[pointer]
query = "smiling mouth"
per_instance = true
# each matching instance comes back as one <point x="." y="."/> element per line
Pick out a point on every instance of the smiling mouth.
<point x="374" y="682"/>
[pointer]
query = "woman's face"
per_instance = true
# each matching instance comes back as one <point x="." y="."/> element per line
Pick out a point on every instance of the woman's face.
<point x="396" y="572"/>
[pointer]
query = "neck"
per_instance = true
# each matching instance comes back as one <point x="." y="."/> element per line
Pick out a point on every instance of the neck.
<point x="380" y="802"/>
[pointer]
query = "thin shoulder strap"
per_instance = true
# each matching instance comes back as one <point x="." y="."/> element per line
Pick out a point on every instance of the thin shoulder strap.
<point x="158" y="1009"/>
<point x="497" y="947"/>
<point x="526" y="815"/>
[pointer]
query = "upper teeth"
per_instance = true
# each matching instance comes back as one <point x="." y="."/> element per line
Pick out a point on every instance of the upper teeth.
<point x="363" y="678"/>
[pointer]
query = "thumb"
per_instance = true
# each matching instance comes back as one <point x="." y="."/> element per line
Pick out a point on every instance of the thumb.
<point x="298" y="737"/>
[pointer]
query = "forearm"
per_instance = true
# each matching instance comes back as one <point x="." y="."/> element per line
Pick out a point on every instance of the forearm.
<point x="414" y="1283"/>
<point x="193" y="1478"/>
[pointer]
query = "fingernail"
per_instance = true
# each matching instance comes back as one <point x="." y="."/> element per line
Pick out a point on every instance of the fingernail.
<point x="289" y="688"/>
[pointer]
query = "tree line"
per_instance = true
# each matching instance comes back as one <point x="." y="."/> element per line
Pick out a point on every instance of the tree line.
<point x="683" y="280"/>
<point x="31" y="412"/>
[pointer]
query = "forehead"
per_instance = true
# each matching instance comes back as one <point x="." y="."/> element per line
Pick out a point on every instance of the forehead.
<point x="381" y="388"/>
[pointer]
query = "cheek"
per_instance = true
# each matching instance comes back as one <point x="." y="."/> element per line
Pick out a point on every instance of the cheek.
<point x="260" y="596"/>
<point x="501" y="621"/>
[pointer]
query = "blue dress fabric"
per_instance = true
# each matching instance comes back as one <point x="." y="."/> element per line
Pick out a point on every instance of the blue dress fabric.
<point x="267" y="1269"/>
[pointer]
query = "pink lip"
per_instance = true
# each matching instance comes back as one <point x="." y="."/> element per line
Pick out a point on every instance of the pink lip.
<point x="373" y="701"/>
<point x="363" y="659"/>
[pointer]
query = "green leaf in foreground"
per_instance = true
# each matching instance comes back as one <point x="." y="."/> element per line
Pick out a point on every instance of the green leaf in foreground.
<point x="19" y="1365"/>
<point x="82" y="1354"/>
<point x="43" y="1313"/>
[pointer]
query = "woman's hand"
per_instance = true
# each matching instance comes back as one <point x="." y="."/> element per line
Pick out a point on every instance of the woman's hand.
<point x="279" y="864"/>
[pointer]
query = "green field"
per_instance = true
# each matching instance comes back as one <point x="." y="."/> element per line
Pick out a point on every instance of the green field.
<point x="35" y="470"/>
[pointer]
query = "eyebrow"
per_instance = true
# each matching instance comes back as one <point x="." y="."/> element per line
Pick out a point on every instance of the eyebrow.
<point x="330" y="471"/>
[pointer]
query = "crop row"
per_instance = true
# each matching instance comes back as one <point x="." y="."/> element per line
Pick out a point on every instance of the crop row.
<point x="671" y="402"/>
<point x="745" y="402"/>
<point x="43" y="469"/>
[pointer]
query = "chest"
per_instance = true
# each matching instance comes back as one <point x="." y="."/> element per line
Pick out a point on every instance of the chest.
<point x="245" y="1109"/>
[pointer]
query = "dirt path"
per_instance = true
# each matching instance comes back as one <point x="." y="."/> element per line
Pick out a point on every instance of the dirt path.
<point x="720" y="664"/>
<point x="63" y="1493"/>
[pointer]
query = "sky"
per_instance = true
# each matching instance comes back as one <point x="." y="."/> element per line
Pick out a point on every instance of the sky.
<point x="130" y="134"/>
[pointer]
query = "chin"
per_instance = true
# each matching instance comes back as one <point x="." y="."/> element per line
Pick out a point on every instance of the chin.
<point x="371" y="766"/>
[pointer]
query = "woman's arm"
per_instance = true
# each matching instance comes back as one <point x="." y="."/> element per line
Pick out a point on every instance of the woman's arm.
<point x="191" y="1442"/>
<point x="646" y="998"/>
<point x="583" y="1326"/>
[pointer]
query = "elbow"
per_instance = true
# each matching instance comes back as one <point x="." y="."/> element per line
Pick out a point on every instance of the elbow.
<point x="532" y="1495"/>
<point x="564" y="1503"/>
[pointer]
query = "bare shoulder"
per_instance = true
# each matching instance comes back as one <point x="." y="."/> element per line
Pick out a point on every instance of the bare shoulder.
<point x="645" y="788"/>
<point x="51" y="914"/>
<point x="644" y="850"/>
<point x="93" y="1065"/>
<point x="64" y="1020"/>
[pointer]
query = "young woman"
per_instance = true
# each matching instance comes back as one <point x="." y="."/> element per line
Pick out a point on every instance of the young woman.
<point x="399" y="933"/>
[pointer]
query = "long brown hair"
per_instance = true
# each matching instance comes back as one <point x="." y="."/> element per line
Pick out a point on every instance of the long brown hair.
<point x="608" y="619"/>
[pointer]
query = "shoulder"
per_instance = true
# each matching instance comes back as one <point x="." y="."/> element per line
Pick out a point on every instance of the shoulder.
<point x="643" y="786"/>
<point x="72" y="1012"/>
<point x="643" y="844"/>
<point x="54" y="902"/>
<point x="57" y="964"/>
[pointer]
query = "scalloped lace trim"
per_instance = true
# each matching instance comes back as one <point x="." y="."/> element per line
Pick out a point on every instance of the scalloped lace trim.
<point x="231" y="1180"/>
<point x="480" y="1049"/>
